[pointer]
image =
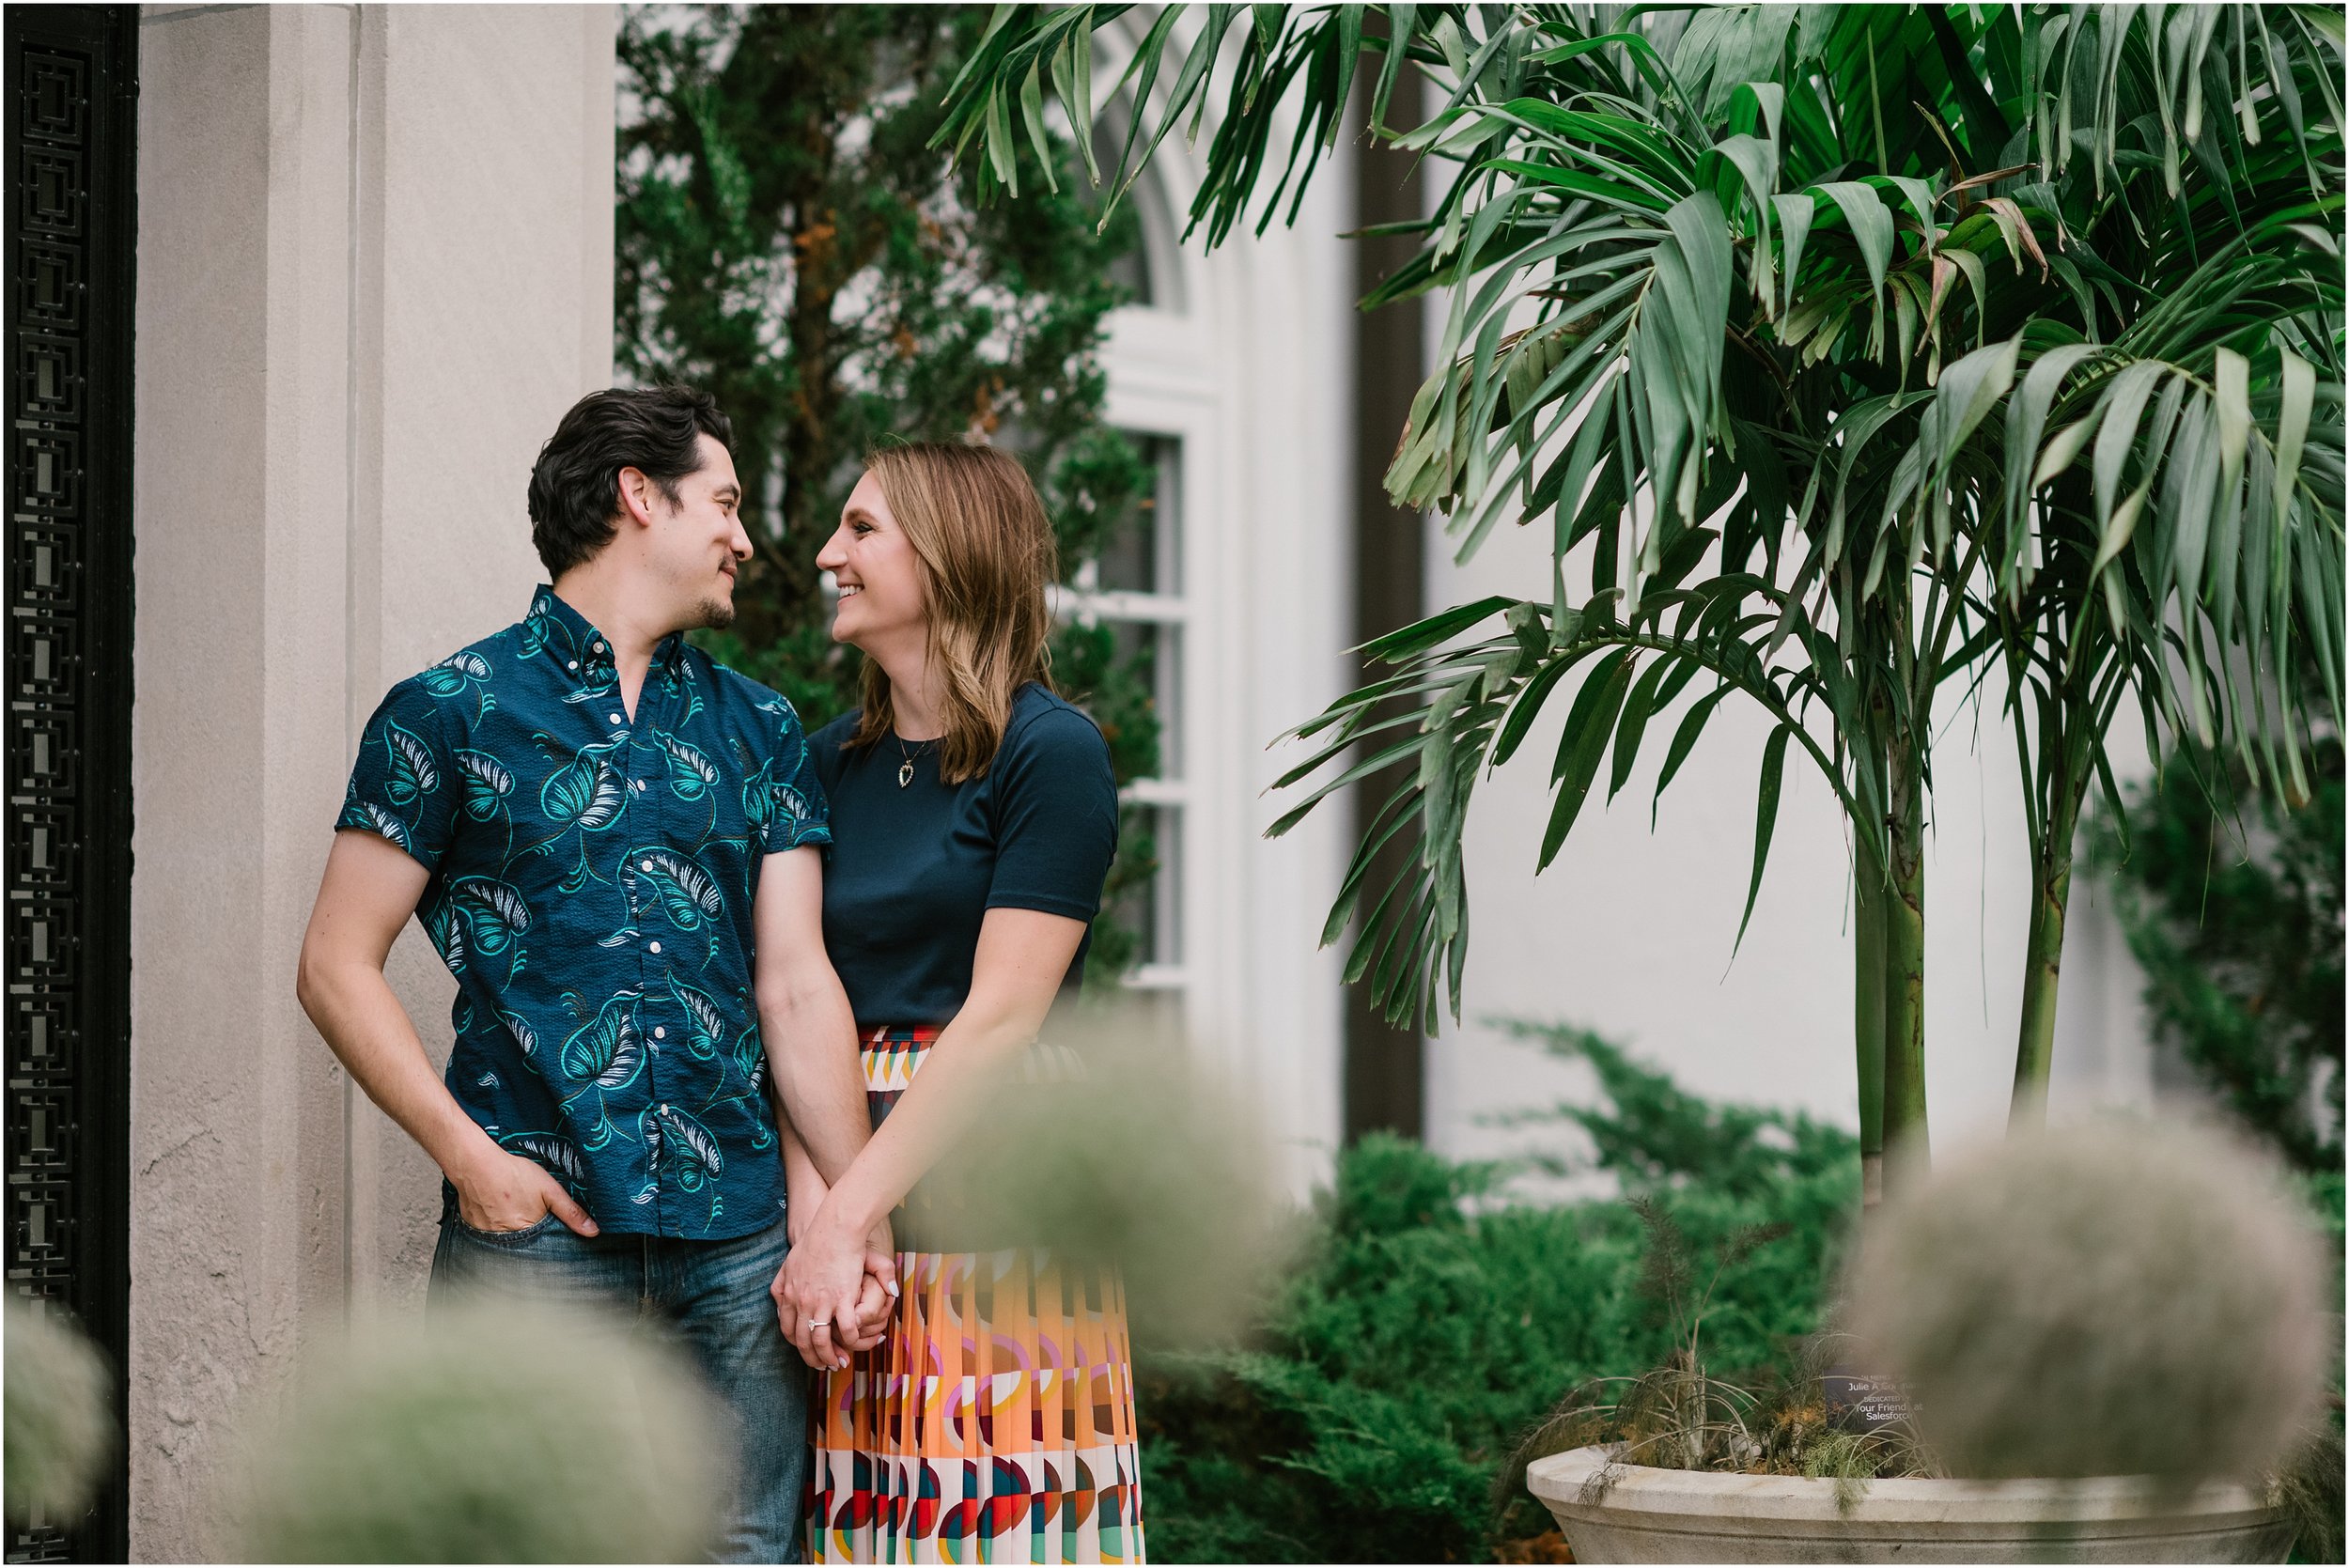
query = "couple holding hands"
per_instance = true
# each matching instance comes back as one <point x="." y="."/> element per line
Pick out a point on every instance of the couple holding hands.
<point x="726" y="991"/>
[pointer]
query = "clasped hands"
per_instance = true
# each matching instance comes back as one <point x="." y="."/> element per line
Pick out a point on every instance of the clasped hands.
<point x="835" y="1291"/>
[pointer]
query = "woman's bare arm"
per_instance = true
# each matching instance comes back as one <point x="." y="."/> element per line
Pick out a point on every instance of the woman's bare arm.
<point x="803" y="1016"/>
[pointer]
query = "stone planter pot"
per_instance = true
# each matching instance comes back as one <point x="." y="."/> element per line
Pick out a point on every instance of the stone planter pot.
<point x="1646" y="1514"/>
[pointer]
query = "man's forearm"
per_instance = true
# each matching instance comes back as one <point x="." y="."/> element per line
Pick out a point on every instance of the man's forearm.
<point x="353" y="1007"/>
<point x="803" y="1185"/>
<point x="812" y="1053"/>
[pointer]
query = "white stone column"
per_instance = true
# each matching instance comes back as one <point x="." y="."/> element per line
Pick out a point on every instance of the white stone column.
<point x="375" y="266"/>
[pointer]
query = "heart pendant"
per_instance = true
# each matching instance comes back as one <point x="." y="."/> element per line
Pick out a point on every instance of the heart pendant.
<point x="905" y="773"/>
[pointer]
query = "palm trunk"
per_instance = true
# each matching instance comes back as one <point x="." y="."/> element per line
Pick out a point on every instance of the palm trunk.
<point x="1905" y="1142"/>
<point x="2043" y="962"/>
<point x="1868" y="978"/>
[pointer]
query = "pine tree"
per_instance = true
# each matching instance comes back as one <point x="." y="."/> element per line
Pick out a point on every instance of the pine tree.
<point x="2232" y="901"/>
<point x="788" y="240"/>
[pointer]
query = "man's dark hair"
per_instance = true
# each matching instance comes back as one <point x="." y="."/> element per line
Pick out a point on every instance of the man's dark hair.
<point x="575" y="486"/>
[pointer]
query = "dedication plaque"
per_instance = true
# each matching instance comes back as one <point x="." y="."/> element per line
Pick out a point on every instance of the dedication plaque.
<point x="1858" y="1401"/>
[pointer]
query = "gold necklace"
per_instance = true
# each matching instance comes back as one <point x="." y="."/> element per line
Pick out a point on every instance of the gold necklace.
<point x="905" y="772"/>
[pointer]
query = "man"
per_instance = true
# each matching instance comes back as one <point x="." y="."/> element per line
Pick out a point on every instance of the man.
<point x="612" y="842"/>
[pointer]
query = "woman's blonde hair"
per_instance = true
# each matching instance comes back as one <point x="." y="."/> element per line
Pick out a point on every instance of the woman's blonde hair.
<point x="986" y="553"/>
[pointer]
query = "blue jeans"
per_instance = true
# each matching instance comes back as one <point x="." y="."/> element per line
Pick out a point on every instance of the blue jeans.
<point x="713" y="1294"/>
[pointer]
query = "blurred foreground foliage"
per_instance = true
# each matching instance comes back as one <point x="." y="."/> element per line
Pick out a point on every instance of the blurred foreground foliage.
<point x="494" y="1430"/>
<point x="60" y="1429"/>
<point x="2232" y="900"/>
<point x="1431" y="1321"/>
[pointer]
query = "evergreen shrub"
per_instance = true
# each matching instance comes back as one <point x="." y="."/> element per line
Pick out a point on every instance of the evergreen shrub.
<point x="1432" y="1321"/>
<point x="2232" y="903"/>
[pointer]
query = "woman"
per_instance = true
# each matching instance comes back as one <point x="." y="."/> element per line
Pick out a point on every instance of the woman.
<point x="973" y="818"/>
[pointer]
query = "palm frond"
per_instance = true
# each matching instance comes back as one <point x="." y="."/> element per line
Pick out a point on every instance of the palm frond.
<point x="1848" y="351"/>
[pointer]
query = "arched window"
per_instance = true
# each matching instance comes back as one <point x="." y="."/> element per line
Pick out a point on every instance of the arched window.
<point x="1152" y="272"/>
<point x="1139" y="586"/>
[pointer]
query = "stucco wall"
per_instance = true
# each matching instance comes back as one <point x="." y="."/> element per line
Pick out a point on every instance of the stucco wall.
<point x="374" y="268"/>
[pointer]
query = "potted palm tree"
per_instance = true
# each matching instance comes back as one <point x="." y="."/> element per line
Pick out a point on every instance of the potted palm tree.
<point x="1995" y="1292"/>
<point x="1848" y="352"/>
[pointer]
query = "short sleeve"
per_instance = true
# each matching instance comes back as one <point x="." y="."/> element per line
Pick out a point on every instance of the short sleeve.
<point x="797" y="812"/>
<point x="1055" y="818"/>
<point x="402" y="787"/>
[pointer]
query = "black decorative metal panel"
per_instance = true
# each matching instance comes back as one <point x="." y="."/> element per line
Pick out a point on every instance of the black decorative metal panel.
<point x="71" y="99"/>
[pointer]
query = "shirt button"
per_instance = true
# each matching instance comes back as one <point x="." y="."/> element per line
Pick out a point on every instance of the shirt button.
<point x="572" y="665"/>
<point x="658" y="1033"/>
<point x="643" y="865"/>
<point x="664" y="1111"/>
<point x="656" y="947"/>
<point x="596" y="647"/>
<point x="616" y="718"/>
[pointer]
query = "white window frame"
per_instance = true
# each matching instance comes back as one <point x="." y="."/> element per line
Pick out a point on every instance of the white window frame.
<point x="1237" y="366"/>
<point x="1164" y="382"/>
<point x="1174" y="795"/>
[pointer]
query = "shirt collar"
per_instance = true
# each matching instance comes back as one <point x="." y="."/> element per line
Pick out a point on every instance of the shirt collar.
<point x="591" y="650"/>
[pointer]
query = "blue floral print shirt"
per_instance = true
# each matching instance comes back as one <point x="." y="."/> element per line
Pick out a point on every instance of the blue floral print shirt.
<point x="593" y="877"/>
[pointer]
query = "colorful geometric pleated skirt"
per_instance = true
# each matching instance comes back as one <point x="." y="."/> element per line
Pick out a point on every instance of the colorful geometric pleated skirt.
<point x="995" y="1421"/>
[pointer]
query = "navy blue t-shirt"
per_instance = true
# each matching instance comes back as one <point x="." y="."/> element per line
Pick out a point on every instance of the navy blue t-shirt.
<point x="912" y="870"/>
